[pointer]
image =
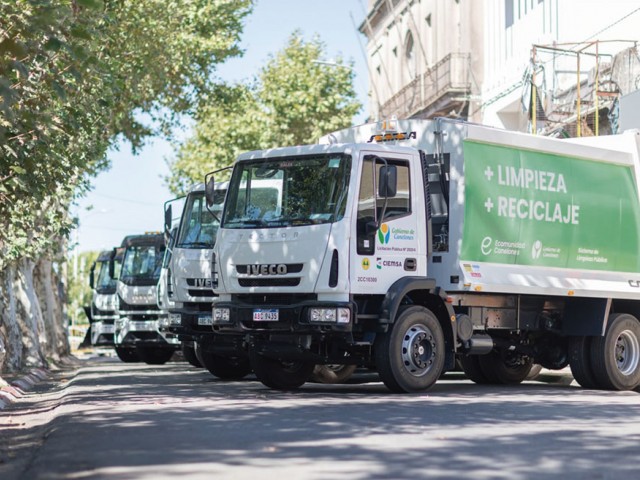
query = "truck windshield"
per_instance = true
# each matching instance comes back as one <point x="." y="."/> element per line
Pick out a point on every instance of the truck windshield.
<point x="105" y="283"/>
<point x="198" y="227"/>
<point x="141" y="265"/>
<point x="288" y="191"/>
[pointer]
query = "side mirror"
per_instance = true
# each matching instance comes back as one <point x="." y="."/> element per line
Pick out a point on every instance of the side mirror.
<point x="209" y="191"/>
<point x="92" y="275"/>
<point x="167" y="218"/>
<point x="388" y="184"/>
<point x="112" y="264"/>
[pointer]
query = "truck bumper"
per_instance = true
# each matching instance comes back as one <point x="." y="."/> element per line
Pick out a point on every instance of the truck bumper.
<point x="305" y="317"/>
<point x="130" y="332"/>
<point x="189" y="324"/>
<point x="102" y="333"/>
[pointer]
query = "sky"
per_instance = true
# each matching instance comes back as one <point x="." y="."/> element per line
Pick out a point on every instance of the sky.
<point x="129" y="197"/>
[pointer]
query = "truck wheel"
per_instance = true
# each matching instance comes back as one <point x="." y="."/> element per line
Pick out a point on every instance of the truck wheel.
<point x="225" y="368"/>
<point x="536" y="368"/>
<point x="280" y="375"/>
<point x="471" y="368"/>
<point x="332" y="373"/>
<point x="189" y="354"/>
<point x="410" y="356"/>
<point x="127" y="355"/>
<point x="580" y="361"/>
<point x="505" y="368"/>
<point x="155" y="355"/>
<point x="615" y="357"/>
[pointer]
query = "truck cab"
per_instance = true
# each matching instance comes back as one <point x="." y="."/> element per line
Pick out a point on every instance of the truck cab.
<point x="137" y="335"/>
<point x="104" y="300"/>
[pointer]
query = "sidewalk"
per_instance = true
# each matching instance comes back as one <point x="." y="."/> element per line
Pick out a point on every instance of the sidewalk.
<point x="15" y="386"/>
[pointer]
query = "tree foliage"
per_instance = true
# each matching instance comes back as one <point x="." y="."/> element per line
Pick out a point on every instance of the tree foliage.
<point x="75" y="75"/>
<point x="295" y="100"/>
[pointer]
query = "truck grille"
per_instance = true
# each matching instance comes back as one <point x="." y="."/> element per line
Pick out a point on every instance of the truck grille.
<point x="269" y="282"/>
<point x="274" y="300"/>
<point x="200" y="293"/>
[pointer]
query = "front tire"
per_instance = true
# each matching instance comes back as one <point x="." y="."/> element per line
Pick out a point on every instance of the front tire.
<point x="410" y="356"/>
<point x="127" y="355"/>
<point x="280" y="375"/>
<point x="615" y="357"/>
<point x="225" y="368"/>
<point x="155" y="355"/>
<point x="189" y="354"/>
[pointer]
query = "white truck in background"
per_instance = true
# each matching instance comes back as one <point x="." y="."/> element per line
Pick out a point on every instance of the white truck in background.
<point x="403" y="245"/>
<point x="104" y="300"/>
<point x="189" y="289"/>
<point x="137" y="335"/>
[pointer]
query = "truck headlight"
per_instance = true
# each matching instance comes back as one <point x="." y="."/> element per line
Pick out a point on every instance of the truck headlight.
<point x="221" y="315"/>
<point x="329" y="315"/>
<point x="175" y="319"/>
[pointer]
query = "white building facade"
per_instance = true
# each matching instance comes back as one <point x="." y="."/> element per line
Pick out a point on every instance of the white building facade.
<point x="478" y="60"/>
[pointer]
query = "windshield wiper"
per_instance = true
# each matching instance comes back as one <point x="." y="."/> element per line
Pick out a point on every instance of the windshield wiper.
<point x="195" y="244"/>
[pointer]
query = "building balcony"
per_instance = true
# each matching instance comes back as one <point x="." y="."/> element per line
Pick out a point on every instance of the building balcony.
<point x="441" y="91"/>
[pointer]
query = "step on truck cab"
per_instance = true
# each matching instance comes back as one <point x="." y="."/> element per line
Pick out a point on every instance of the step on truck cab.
<point x="137" y="336"/>
<point x="190" y="290"/>
<point x="402" y="245"/>
<point x="104" y="300"/>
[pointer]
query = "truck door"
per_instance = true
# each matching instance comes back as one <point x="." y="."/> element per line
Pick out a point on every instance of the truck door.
<point x="392" y="250"/>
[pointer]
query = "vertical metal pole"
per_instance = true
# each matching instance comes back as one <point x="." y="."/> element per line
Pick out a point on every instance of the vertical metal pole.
<point x="597" y="88"/>
<point x="578" y="120"/>
<point x="534" y="99"/>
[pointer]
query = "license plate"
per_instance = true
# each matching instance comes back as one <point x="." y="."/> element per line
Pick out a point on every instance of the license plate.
<point x="205" y="320"/>
<point x="265" y="315"/>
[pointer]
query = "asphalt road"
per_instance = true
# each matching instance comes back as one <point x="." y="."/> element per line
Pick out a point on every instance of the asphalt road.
<point x="118" y="421"/>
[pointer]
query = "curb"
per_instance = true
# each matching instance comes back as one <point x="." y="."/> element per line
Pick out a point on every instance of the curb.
<point x="16" y="389"/>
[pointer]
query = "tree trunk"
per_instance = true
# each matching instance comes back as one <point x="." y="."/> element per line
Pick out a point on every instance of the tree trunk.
<point x="46" y="283"/>
<point x="30" y="316"/>
<point x="8" y="314"/>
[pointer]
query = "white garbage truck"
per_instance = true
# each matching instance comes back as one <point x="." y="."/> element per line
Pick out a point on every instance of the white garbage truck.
<point x="104" y="301"/>
<point x="404" y="245"/>
<point x="137" y="336"/>
<point x="189" y="288"/>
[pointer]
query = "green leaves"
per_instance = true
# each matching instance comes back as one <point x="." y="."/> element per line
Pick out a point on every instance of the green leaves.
<point x="72" y="74"/>
<point x="294" y="101"/>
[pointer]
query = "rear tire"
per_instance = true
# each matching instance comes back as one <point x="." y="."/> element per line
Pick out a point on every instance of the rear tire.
<point x="155" y="355"/>
<point x="189" y="354"/>
<point x="410" y="356"/>
<point x="504" y="368"/>
<point x="332" y="373"/>
<point x="127" y="355"/>
<point x="580" y="361"/>
<point x="615" y="357"/>
<point x="280" y="375"/>
<point x="471" y="368"/>
<point x="225" y="368"/>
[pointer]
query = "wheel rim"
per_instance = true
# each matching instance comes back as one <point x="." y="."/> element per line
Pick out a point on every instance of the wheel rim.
<point x="627" y="352"/>
<point x="418" y="350"/>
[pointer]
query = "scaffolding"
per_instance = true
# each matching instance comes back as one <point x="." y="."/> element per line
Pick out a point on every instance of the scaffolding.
<point x="572" y="89"/>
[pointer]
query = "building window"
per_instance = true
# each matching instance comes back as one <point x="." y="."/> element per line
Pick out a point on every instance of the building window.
<point x="428" y="19"/>
<point x="508" y="13"/>
<point x="395" y="51"/>
<point x="410" y="53"/>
